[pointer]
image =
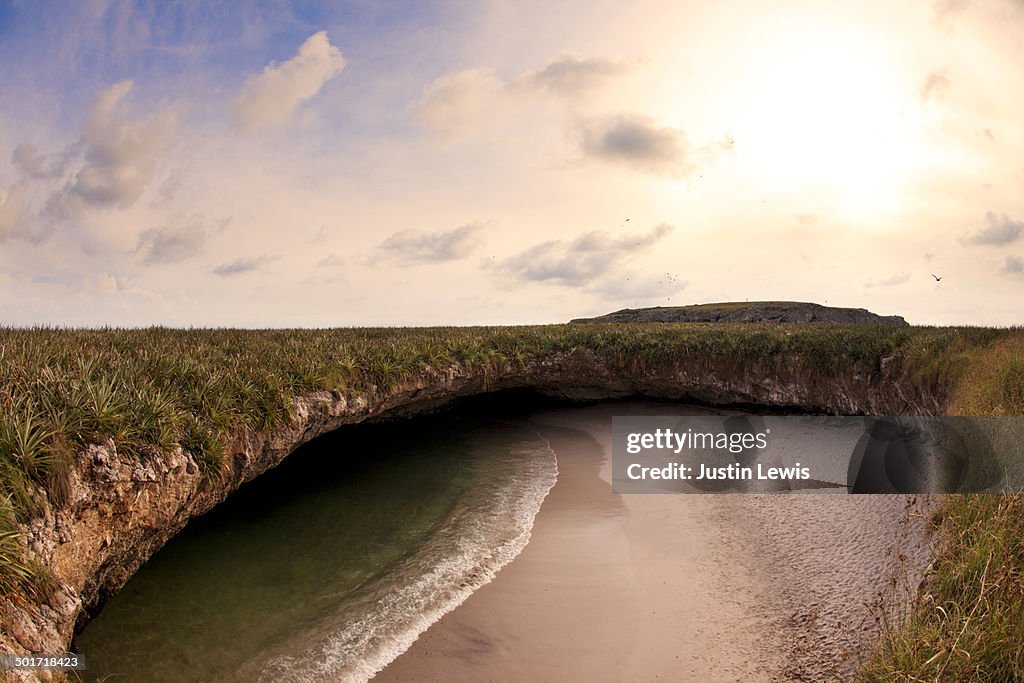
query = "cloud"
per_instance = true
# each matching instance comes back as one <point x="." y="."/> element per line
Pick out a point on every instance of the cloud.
<point x="270" y="98"/>
<point x="641" y="143"/>
<point x="891" y="281"/>
<point x="461" y="102"/>
<point x="176" y="243"/>
<point x="119" y="156"/>
<point x="27" y="159"/>
<point x="998" y="229"/>
<point x="244" y="265"/>
<point x="935" y="86"/>
<point x="12" y="213"/>
<point x="457" y="103"/>
<point x="434" y="247"/>
<point x="100" y="283"/>
<point x="582" y="261"/>
<point x="168" y="189"/>
<point x="332" y="261"/>
<point x="1013" y="264"/>
<point x="570" y="75"/>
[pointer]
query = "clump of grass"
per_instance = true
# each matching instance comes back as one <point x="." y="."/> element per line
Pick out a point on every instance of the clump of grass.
<point x="16" y="576"/>
<point x="204" y="442"/>
<point x="968" y="619"/>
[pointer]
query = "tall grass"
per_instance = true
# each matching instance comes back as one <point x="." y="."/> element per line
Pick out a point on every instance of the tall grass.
<point x="16" y="575"/>
<point x="967" y="623"/>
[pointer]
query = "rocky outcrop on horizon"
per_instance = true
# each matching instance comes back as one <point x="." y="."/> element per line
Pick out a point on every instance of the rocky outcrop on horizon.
<point x="748" y="312"/>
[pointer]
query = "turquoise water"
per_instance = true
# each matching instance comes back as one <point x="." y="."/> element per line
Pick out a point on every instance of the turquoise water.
<point x="329" y="566"/>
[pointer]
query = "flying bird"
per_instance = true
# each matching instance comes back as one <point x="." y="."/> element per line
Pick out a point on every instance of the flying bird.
<point x="937" y="278"/>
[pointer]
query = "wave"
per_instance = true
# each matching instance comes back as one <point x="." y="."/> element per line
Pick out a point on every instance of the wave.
<point x="483" y="533"/>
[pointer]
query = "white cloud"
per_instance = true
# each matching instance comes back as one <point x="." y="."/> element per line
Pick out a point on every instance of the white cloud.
<point x="12" y="213"/>
<point x="581" y="262"/>
<point x="100" y="283"/>
<point x="119" y="156"/>
<point x="435" y="247"/>
<point x="271" y="97"/>
<point x="176" y="242"/>
<point x="461" y="102"/>
<point x="458" y="103"/>
<point x="332" y="260"/>
<point x="27" y="159"/>
<point x="890" y="281"/>
<point x="998" y="229"/>
<point x="244" y="265"/>
<point x="571" y="75"/>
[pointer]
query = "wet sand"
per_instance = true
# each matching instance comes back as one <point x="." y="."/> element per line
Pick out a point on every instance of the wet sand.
<point x="670" y="587"/>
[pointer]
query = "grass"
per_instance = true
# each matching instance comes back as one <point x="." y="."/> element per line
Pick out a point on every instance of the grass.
<point x="996" y="383"/>
<point x="16" y="579"/>
<point x="967" y="623"/>
<point x="155" y="390"/>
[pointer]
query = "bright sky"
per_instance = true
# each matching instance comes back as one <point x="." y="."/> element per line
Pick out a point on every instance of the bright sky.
<point x="499" y="162"/>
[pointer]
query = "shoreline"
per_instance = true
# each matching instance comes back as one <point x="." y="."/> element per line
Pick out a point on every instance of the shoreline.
<point x="682" y="587"/>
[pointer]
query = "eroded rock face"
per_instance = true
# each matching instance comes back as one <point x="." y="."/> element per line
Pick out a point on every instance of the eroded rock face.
<point x="753" y="312"/>
<point x="122" y="509"/>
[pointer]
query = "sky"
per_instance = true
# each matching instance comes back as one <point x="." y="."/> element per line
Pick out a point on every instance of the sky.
<point x="460" y="163"/>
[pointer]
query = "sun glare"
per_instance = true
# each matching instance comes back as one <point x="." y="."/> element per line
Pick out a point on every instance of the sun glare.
<point x="825" y="113"/>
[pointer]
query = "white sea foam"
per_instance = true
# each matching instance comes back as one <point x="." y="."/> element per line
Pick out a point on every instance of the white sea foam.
<point x="480" y="536"/>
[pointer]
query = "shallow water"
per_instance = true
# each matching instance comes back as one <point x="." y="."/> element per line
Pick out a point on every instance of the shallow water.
<point x="329" y="566"/>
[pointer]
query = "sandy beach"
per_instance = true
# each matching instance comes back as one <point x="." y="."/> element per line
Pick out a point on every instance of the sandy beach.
<point x="671" y="587"/>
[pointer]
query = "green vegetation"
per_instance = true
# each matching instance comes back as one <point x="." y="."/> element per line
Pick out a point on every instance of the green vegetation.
<point x="995" y="384"/>
<point x="967" y="623"/>
<point x="15" y="575"/>
<point x="153" y="390"/>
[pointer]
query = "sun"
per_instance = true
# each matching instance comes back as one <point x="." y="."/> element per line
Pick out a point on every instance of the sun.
<point x="821" y="111"/>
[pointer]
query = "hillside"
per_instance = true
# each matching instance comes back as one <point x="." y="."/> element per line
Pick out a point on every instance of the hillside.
<point x="747" y="312"/>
